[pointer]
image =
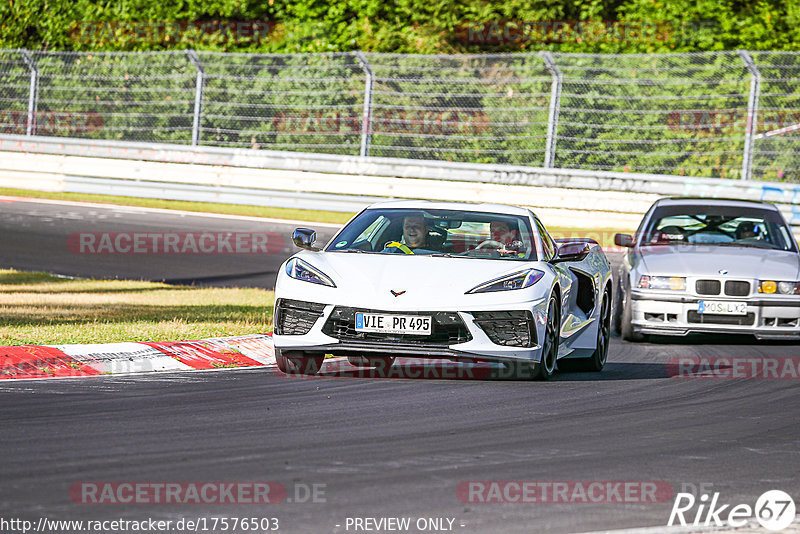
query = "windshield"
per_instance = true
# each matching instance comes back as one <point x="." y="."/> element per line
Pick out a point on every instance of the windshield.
<point x="452" y="233"/>
<point x="718" y="225"/>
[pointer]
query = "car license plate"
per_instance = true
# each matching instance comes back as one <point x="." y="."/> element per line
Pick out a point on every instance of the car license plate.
<point x="722" y="307"/>
<point x="393" y="324"/>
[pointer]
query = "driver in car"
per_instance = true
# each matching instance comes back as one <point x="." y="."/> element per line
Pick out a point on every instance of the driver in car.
<point x="415" y="236"/>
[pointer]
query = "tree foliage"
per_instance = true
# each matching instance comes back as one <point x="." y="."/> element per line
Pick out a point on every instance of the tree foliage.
<point x="402" y="26"/>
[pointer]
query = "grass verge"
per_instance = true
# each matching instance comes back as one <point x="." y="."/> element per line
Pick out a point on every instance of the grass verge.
<point x="42" y="309"/>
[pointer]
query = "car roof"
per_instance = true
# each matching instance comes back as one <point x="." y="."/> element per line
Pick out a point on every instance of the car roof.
<point x="462" y="206"/>
<point x="732" y="202"/>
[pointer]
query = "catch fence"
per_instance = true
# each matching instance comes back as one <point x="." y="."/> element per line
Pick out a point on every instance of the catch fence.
<point x="715" y="114"/>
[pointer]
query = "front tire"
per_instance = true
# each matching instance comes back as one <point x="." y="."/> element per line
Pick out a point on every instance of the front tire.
<point x="546" y="368"/>
<point x="298" y="363"/>
<point x="626" y="326"/>
<point x="618" y="308"/>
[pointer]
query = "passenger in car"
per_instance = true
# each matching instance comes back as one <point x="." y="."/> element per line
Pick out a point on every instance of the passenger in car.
<point x="503" y="239"/>
<point x="746" y="230"/>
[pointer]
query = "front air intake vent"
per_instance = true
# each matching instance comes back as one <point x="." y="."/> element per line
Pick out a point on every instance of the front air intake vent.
<point x="708" y="287"/>
<point x="508" y="328"/>
<point x="296" y="317"/>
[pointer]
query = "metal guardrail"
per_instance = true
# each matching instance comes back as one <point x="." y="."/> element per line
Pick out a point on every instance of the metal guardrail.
<point x="714" y="114"/>
<point x="568" y="197"/>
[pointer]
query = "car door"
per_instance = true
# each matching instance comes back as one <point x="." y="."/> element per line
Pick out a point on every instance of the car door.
<point x="565" y="276"/>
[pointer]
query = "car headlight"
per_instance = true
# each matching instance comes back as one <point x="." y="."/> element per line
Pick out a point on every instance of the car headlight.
<point x="674" y="283"/>
<point x="300" y="270"/>
<point x="781" y="288"/>
<point x="517" y="280"/>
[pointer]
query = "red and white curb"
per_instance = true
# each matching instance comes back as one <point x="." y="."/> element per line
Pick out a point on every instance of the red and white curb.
<point x="60" y="361"/>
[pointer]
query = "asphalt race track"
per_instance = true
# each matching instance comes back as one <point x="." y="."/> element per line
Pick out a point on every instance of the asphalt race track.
<point x="382" y="447"/>
<point x="45" y="236"/>
<point x="401" y="447"/>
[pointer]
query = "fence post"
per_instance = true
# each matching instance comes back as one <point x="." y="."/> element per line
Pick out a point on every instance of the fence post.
<point x="198" y="95"/>
<point x="366" y="121"/>
<point x="751" y="125"/>
<point x="555" y="104"/>
<point x="33" y="95"/>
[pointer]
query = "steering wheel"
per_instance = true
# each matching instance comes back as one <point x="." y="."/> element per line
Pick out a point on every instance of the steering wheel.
<point x="490" y="243"/>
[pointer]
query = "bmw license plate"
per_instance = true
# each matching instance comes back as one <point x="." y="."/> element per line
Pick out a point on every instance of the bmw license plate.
<point x="722" y="307"/>
<point x="393" y="324"/>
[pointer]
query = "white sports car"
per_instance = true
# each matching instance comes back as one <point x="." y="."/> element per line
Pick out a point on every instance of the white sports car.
<point x="463" y="282"/>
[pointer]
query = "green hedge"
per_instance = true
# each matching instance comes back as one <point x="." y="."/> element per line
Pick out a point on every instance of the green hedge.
<point x="407" y="26"/>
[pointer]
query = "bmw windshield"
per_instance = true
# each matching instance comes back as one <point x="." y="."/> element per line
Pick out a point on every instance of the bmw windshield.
<point x="718" y="226"/>
<point x="448" y="233"/>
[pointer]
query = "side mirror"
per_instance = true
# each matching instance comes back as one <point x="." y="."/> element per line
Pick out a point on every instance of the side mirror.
<point x="623" y="240"/>
<point x="575" y="251"/>
<point x="304" y="238"/>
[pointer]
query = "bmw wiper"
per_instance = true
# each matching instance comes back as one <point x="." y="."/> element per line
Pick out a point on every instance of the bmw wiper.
<point x="748" y="245"/>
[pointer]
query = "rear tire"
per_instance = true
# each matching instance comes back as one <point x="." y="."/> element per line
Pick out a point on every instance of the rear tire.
<point x="597" y="360"/>
<point x="297" y="362"/>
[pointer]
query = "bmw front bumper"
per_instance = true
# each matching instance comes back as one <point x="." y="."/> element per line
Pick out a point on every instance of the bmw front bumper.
<point x="661" y="313"/>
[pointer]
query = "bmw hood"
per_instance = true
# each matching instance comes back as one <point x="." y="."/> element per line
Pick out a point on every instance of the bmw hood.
<point x="739" y="262"/>
<point x="420" y="282"/>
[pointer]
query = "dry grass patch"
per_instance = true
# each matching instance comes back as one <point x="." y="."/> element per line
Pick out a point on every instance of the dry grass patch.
<point x="39" y="308"/>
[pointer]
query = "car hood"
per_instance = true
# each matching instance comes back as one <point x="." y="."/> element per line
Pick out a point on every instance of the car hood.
<point x="739" y="262"/>
<point x="426" y="282"/>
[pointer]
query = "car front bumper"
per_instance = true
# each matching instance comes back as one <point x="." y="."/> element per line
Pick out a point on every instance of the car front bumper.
<point x="677" y="315"/>
<point x="478" y="344"/>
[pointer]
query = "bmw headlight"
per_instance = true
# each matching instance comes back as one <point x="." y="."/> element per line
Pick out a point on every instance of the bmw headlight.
<point x="771" y="287"/>
<point x="674" y="283"/>
<point x="300" y="270"/>
<point x="517" y="280"/>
